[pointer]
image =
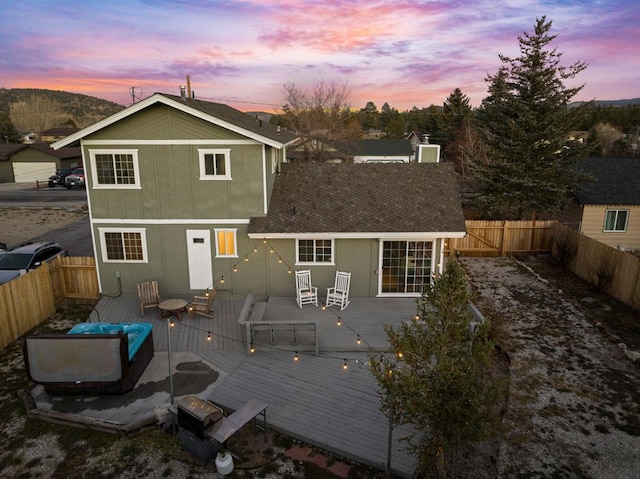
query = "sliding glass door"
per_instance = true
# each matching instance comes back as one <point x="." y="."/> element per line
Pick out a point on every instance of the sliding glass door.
<point x="406" y="266"/>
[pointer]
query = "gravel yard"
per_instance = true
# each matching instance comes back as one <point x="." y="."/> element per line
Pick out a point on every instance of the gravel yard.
<point x="574" y="397"/>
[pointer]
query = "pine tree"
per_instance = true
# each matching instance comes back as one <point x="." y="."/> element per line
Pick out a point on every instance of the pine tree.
<point x="525" y="121"/>
<point x="434" y="377"/>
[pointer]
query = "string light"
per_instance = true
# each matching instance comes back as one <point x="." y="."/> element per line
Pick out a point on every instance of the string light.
<point x="358" y="340"/>
<point x="279" y="259"/>
<point x="295" y="357"/>
<point x="246" y="258"/>
<point x="344" y="365"/>
<point x="264" y="240"/>
<point x="255" y="249"/>
<point x="209" y="336"/>
<point x="235" y="268"/>
<point x="339" y="322"/>
<point x="289" y="271"/>
<point x="172" y="323"/>
<point x="271" y="250"/>
<point x="222" y="279"/>
<point x="251" y="348"/>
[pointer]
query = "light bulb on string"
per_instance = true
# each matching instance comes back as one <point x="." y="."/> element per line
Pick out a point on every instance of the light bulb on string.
<point x="339" y="322"/>
<point x="279" y="259"/>
<point x="208" y="335"/>
<point x="271" y="250"/>
<point x="246" y="258"/>
<point x="289" y="271"/>
<point x="264" y="240"/>
<point x="295" y="357"/>
<point x="358" y="340"/>
<point x="222" y="279"/>
<point x="235" y="268"/>
<point x="344" y="365"/>
<point x="172" y="323"/>
<point x="252" y="349"/>
<point x="255" y="249"/>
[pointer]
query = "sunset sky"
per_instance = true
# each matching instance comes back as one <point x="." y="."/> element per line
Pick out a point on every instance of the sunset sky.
<point x="405" y="53"/>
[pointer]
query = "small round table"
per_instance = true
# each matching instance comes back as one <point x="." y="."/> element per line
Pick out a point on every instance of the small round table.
<point x="169" y="307"/>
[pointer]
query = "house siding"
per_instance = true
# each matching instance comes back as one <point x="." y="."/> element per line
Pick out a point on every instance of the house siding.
<point x="593" y="226"/>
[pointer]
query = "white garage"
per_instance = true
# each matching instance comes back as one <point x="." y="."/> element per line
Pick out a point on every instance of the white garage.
<point x="31" y="171"/>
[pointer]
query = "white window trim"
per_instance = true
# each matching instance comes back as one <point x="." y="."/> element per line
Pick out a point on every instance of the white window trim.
<point x="94" y="176"/>
<point x="617" y="211"/>
<point x="103" y="244"/>
<point x="316" y="263"/>
<point x="235" y="242"/>
<point x="214" y="151"/>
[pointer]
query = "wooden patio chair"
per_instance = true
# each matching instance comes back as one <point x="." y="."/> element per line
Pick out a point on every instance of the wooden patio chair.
<point x="339" y="294"/>
<point x="201" y="305"/>
<point x="148" y="296"/>
<point x="305" y="292"/>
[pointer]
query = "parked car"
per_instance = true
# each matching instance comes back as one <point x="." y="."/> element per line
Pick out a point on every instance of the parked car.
<point x="76" y="178"/>
<point x="26" y="257"/>
<point x="59" y="177"/>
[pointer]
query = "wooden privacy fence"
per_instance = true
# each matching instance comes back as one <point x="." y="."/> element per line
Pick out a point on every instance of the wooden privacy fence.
<point x="503" y="238"/>
<point x="30" y="299"/>
<point x="616" y="272"/>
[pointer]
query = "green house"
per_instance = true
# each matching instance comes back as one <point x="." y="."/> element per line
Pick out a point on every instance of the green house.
<point x="196" y="194"/>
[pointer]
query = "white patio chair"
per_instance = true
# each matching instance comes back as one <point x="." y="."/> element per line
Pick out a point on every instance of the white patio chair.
<point x="305" y="292"/>
<point x="339" y="294"/>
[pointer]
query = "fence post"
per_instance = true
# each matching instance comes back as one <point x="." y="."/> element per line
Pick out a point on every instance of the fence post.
<point x="503" y="251"/>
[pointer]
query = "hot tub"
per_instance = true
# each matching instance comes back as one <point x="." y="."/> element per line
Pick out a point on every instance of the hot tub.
<point x="91" y="359"/>
<point x="136" y="332"/>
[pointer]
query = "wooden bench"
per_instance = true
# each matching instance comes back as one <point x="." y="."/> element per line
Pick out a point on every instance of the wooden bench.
<point x="252" y="317"/>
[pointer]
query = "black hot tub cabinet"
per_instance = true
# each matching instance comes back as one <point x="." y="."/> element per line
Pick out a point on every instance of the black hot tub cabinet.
<point x="87" y="364"/>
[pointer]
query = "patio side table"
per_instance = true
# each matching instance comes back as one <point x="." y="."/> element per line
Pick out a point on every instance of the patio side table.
<point x="170" y="307"/>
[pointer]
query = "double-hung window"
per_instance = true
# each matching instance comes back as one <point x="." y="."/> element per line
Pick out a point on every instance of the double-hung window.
<point x="226" y="243"/>
<point x="115" y="168"/>
<point x="123" y="245"/>
<point x="616" y="220"/>
<point x="215" y="164"/>
<point x="314" y="251"/>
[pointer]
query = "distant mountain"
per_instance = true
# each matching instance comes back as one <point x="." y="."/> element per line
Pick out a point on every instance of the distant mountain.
<point x="632" y="101"/>
<point x="82" y="110"/>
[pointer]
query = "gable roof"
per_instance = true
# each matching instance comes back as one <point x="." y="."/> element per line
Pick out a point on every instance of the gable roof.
<point x="384" y="148"/>
<point x="215" y="113"/>
<point x="8" y="150"/>
<point x="363" y="200"/>
<point x="617" y="181"/>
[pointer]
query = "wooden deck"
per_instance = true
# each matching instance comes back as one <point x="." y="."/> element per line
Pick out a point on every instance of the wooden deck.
<point x="313" y="399"/>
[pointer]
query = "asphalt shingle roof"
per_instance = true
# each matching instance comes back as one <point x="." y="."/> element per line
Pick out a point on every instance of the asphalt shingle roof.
<point x="617" y="181"/>
<point x="384" y="148"/>
<point x="363" y="198"/>
<point x="238" y="118"/>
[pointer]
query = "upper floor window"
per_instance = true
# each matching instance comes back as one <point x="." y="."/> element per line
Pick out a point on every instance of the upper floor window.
<point x="314" y="251"/>
<point x="215" y="164"/>
<point x="126" y="245"/>
<point x="115" y="168"/>
<point x="616" y="220"/>
<point x="226" y="243"/>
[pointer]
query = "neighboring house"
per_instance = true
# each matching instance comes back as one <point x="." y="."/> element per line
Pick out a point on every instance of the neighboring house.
<point x="38" y="161"/>
<point x="6" y="169"/>
<point x="383" y="151"/>
<point x="193" y="193"/>
<point x="423" y="152"/>
<point x="58" y="133"/>
<point x="609" y="207"/>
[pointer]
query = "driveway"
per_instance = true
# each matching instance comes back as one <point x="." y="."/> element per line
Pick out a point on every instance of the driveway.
<point x="35" y="206"/>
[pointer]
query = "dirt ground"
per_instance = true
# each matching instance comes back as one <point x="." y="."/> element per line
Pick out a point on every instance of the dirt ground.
<point x="21" y="224"/>
<point x="573" y="408"/>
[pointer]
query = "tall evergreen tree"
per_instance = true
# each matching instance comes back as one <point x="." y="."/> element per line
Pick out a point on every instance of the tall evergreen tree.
<point x="435" y="379"/>
<point x="525" y="121"/>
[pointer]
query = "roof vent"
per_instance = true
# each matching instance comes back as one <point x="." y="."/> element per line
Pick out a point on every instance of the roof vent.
<point x="183" y="92"/>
